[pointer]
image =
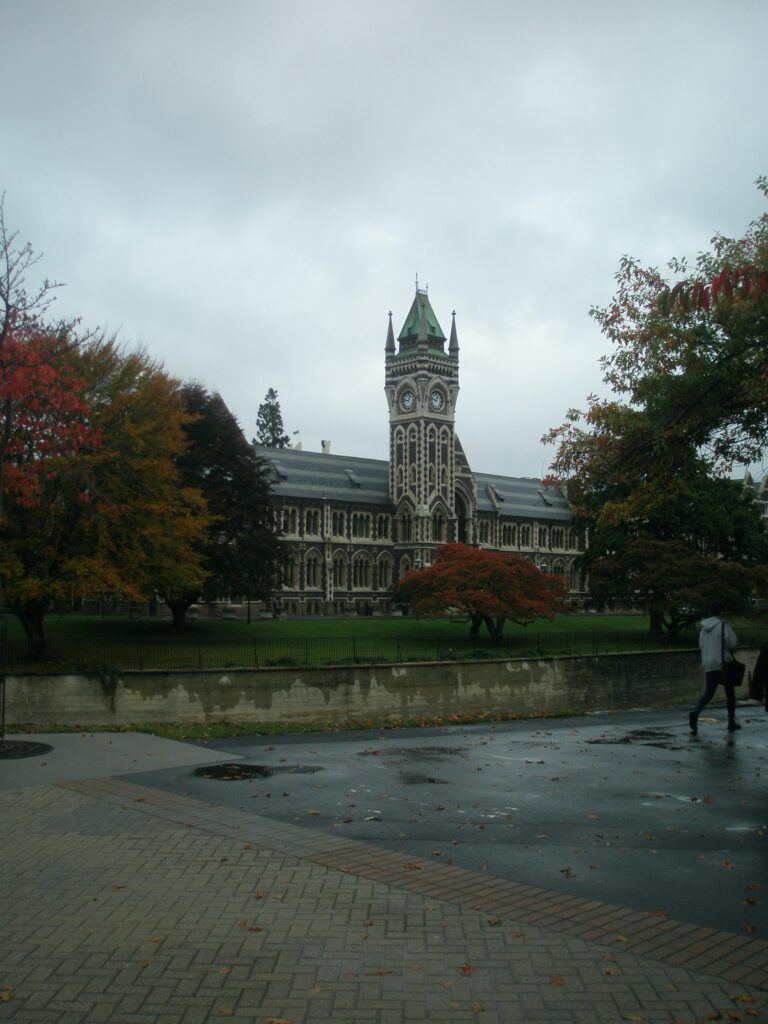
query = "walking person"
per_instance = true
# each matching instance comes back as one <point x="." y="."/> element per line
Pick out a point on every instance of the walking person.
<point x="717" y="642"/>
<point x="759" y="688"/>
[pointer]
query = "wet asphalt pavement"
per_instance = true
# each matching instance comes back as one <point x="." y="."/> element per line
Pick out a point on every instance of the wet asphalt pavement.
<point x="623" y="808"/>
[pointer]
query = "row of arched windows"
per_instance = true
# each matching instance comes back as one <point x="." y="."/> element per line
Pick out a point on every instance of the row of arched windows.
<point x="357" y="574"/>
<point x="360" y="524"/>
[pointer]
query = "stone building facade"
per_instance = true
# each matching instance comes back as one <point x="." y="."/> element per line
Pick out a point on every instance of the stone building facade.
<point x="352" y="526"/>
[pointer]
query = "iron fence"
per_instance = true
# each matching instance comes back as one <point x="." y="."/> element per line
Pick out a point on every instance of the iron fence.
<point x="181" y="653"/>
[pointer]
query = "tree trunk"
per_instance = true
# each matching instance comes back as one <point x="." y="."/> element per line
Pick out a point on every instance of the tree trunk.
<point x="657" y="620"/>
<point x="179" y="611"/>
<point x="474" y="629"/>
<point x="494" y="627"/>
<point x="32" y="618"/>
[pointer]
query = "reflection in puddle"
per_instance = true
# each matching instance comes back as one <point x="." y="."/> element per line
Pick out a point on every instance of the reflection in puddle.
<point x="648" y="737"/>
<point x="235" y="771"/>
<point x="415" y="779"/>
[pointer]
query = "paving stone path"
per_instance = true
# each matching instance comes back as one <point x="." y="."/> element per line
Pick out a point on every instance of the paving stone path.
<point x="128" y="905"/>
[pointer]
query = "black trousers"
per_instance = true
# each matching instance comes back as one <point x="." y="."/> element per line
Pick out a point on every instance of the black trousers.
<point x="711" y="682"/>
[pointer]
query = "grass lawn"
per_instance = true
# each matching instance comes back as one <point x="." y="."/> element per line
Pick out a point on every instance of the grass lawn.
<point x="106" y="643"/>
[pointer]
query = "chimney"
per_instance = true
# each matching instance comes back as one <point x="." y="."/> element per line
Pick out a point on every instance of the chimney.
<point x="326" y="447"/>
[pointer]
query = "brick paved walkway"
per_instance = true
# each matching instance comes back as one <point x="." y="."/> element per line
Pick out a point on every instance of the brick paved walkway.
<point x="130" y="905"/>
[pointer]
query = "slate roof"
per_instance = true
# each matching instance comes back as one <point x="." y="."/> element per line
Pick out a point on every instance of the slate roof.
<point x="318" y="476"/>
<point x="520" y="496"/>
<point x="343" y="478"/>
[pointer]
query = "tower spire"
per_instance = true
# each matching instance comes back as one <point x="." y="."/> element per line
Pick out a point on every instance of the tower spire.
<point x="389" y="348"/>
<point x="453" y="344"/>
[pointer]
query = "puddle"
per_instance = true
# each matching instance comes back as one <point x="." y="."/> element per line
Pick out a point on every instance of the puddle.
<point x="415" y="779"/>
<point x="235" y="771"/>
<point x="417" y="753"/>
<point x="22" y="748"/>
<point x="647" y="737"/>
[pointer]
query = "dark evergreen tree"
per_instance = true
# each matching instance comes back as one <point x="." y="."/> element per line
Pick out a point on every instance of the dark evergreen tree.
<point x="269" y="422"/>
<point x="240" y="549"/>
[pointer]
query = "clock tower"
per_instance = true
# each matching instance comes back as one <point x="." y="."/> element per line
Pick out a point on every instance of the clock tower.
<point x="422" y="387"/>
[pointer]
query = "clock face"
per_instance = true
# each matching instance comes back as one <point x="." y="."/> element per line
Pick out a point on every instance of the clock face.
<point x="407" y="400"/>
<point x="436" y="400"/>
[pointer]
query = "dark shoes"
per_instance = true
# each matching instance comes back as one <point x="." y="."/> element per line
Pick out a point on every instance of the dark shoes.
<point x="733" y="725"/>
<point x="693" y="723"/>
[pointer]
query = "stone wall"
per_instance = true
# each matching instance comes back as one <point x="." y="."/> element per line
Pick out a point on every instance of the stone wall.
<point x="393" y="692"/>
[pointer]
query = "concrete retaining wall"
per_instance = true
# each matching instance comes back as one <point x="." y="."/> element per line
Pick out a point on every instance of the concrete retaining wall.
<point x="392" y="692"/>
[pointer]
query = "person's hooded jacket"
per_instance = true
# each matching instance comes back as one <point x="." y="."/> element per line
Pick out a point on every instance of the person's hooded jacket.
<point x="716" y="643"/>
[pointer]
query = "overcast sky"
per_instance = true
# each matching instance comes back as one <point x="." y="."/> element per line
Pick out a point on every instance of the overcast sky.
<point x="246" y="187"/>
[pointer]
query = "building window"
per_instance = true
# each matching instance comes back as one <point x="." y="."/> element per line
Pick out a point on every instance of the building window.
<point x="312" y="522"/>
<point x="438" y="527"/>
<point x="525" y="536"/>
<point x="339" y="572"/>
<point x="542" y="536"/>
<point x="406" y="527"/>
<point x="382" y="527"/>
<point x="361" y="571"/>
<point x="484" y="530"/>
<point x="312" y="570"/>
<point x="290" y="572"/>
<point x="361" y="524"/>
<point x="385" y="574"/>
<point x="339" y="524"/>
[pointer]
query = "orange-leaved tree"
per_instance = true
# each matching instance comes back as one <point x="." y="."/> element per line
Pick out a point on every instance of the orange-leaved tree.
<point x="90" y="501"/>
<point x="110" y="518"/>
<point x="488" y="586"/>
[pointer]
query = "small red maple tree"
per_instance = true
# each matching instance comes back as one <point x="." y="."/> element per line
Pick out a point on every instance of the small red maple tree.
<point x="488" y="586"/>
<point x="42" y="413"/>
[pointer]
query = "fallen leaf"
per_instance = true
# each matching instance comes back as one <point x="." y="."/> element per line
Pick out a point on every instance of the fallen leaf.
<point x="314" y="991"/>
<point x="6" y="993"/>
<point x="138" y="799"/>
<point x="477" y="1008"/>
<point x="708" y="800"/>
<point x="380" y="972"/>
<point x="411" y="866"/>
<point x="611" y="969"/>
<point x="556" y="980"/>
<point x="494" y="922"/>
<point x="313" y="812"/>
<point x="466" y="969"/>
<point x="118" y="885"/>
<point x="225" y="970"/>
<point x="594" y="817"/>
<point x="748" y="928"/>
<point x="657" y="913"/>
<point x="728" y="865"/>
<point x="631" y="1016"/>
<point x="621" y="938"/>
<point x="567" y="872"/>
<point x="743" y="998"/>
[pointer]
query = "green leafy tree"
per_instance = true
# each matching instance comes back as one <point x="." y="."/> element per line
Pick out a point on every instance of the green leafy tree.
<point x="239" y="549"/>
<point x="644" y="469"/>
<point x="488" y="586"/>
<point x="269" y="423"/>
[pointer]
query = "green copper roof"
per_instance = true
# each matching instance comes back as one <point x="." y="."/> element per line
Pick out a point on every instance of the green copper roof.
<point x="421" y="312"/>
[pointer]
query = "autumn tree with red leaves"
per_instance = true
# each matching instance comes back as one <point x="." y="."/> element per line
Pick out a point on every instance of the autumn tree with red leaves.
<point x="646" y="468"/>
<point x="488" y="586"/>
<point x="90" y="501"/>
